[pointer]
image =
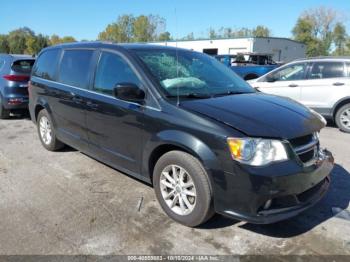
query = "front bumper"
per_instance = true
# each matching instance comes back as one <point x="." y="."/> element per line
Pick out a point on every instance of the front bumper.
<point x="292" y="188"/>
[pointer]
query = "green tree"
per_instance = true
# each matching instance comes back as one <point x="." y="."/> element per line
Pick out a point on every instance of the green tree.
<point x="339" y="38"/>
<point x="4" y="45"/>
<point x="55" y="40"/>
<point x="315" y="27"/>
<point x="120" y="31"/>
<point x="36" y="43"/>
<point x="165" y="36"/>
<point x="261" y="31"/>
<point x="347" y="47"/>
<point x="142" y="28"/>
<point x="17" y="40"/>
<point x="68" y="39"/>
<point x="304" y="32"/>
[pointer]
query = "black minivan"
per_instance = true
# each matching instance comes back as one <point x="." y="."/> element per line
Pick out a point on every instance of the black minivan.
<point x="185" y="123"/>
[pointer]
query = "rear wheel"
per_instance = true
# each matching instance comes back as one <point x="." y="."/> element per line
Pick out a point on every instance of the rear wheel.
<point x="342" y="118"/>
<point x="182" y="188"/>
<point x="4" y="113"/>
<point x="47" y="132"/>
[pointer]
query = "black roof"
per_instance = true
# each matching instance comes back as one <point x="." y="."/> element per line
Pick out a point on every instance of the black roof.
<point x="112" y="45"/>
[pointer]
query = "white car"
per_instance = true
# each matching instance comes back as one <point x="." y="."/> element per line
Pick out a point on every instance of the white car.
<point x="322" y="84"/>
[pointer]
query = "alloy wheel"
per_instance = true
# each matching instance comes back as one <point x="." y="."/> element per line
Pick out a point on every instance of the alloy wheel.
<point x="45" y="130"/>
<point x="178" y="190"/>
<point x="345" y="118"/>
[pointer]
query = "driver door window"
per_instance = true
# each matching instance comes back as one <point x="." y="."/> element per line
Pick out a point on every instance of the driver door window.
<point x="290" y="73"/>
<point x="284" y="81"/>
<point x="111" y="70"/>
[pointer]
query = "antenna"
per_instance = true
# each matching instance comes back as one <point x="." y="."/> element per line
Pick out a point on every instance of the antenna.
<point x="177" y="61"/>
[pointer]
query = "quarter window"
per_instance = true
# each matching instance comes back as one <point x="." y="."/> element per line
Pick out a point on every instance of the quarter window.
<point x="111" y="70"/>
<point x="75" y="67"/>
<point x="322" y="70"/>
<point x="348" y="66"/>
<point x="46" y="65"/>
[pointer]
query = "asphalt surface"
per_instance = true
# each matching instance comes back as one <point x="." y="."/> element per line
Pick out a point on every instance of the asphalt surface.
<point x="68" y="203"/>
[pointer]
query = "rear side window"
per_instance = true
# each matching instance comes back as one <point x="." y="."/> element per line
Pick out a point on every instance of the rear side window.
<point x="23" y="66"/>
<point x="111" y="70"/>
<point x="322" y="70"/>
<point x="348" y="66"/>
<point x="74" y="69"/>
<point x="46" y="65"/>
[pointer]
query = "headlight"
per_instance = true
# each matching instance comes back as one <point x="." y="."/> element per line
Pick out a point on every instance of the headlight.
<point x="256" y="151"/>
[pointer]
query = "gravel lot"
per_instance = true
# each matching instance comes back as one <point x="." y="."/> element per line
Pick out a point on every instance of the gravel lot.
<point x="68" y="203"/>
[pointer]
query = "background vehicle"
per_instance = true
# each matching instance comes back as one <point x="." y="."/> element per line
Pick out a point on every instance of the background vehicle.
<point x="249" y="65"/>
<point x="322" y="84"/>
<point x="185" y="123"/>
<point x="14" y="76"/>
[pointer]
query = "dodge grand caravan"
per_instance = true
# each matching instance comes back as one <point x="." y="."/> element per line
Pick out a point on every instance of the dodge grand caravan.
<point x="185" y="123"/>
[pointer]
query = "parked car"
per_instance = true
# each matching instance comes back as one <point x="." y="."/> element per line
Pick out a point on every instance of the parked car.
<point x="249" y="65"/>
<point x="183" y="122"/>
<point x="322" y="84"/>
<point x="14" y="76"/>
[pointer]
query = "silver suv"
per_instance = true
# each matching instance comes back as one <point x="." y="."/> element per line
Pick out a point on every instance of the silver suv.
<point x="322" y="84"/>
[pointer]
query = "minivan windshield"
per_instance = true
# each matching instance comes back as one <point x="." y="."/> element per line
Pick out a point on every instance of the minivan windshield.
<point x="191" y="74"/>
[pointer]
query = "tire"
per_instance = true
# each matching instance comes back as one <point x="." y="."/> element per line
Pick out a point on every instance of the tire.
<point x="199" y="207"/>
<point x="47" y="132"/>
<point x="342" y="118"/>
<point x="4" y="113"/>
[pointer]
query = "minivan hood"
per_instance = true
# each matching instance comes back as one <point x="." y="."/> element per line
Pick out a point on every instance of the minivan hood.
<point x="259" y="115"/>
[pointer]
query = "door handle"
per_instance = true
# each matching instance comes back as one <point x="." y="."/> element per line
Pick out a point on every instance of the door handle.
<point x="338" y="84"/>
<point x="293" y="85"/>
<point x="77" y="99"/>
<point x="92" y="105"/>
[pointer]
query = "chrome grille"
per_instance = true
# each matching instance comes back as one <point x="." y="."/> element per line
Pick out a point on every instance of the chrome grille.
<point x="306" y="147"/>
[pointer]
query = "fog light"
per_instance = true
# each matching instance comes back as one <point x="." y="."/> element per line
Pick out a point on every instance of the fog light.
<point x="268" y="204"/>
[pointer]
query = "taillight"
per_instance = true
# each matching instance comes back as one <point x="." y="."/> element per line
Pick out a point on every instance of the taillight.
<point x="17" y="78"/>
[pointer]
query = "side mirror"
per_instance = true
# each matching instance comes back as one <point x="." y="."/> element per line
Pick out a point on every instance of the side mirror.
<point x="270" y="78"/>
<point x="129" y="92"/>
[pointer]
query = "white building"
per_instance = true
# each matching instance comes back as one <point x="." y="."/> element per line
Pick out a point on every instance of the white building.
<point x="283" y="49"/>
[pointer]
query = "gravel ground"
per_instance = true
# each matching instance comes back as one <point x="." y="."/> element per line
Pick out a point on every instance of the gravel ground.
<point x="68" y="203"/>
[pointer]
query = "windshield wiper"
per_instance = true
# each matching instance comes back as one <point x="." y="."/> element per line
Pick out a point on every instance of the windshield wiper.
<point x="191" y="95"/>
<point x="230" y="93"/>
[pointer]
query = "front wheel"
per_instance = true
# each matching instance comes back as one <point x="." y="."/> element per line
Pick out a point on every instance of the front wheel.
<point x="182" y="188"/>
<point x="342" y="118"/>
<point x="47" y="132"/>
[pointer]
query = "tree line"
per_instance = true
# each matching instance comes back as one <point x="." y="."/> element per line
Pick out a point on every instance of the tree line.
<point x="321" y="29"/>
<point x="25" y="41"/>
